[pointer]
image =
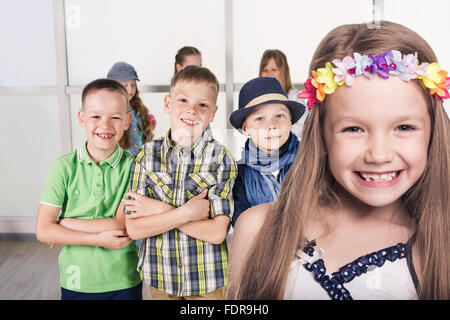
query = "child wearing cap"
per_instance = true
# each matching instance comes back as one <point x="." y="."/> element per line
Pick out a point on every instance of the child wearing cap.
<point x="181" y="196"/>
<point x="142" y="122"/>
<point x="81" y="206"/>
<point x="266" y="116"/>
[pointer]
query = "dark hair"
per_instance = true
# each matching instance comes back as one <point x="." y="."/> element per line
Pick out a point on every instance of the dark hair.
<point x="196" y="74"/>
<point x="182" y="53"/>
<point x="103" y="84"/>
<point x="112" y="86"/>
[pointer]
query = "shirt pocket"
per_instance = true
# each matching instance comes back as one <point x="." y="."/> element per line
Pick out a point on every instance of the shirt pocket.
<point x="160" y="185"/>
<point x="196" y="182"/>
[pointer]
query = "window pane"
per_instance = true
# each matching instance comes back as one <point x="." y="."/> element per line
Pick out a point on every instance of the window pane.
<point x="29" y="145"/>
<point x="146" y="34"/>
<point x="27" y="57"/>
<point x="430" y="21"/>
<point x="294" y="27"/>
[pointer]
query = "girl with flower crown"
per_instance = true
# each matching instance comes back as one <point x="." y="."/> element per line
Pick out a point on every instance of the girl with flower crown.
<point x="364" y="211"/>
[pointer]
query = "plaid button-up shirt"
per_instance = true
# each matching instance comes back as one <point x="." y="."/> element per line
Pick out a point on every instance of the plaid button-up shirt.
<point x="173" y="261"/>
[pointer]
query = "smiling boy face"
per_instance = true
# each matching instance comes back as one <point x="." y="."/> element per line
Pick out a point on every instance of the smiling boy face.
<point x="191" y="106"/>
<point x="104" y="117"/>
<point x="268" y="126"/>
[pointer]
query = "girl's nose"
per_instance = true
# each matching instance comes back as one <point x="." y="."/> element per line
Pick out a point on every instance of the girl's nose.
<point x="379" y="150"/>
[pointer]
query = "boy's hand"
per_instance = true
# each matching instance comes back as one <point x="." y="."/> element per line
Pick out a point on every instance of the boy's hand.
<point x="197" y="208"/>
<point x="139" y="205"/>
<point x="114" y="239"/>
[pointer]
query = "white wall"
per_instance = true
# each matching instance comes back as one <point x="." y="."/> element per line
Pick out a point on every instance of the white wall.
<point x="147" y="34"/>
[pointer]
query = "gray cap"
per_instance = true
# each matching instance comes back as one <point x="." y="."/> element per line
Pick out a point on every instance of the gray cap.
<point x="122" y="71"/>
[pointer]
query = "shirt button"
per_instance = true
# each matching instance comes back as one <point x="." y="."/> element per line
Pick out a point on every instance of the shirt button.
<point x="135" y="145"/>
<point x="134" y="129"/>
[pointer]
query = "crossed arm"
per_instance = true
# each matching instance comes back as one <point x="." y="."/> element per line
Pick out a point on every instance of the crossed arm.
<point x="107" y="232"/>
<point x="152" y="217"/>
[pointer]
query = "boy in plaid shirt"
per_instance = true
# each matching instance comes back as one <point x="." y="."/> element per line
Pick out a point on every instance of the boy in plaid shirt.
<point x="181" y="198"/>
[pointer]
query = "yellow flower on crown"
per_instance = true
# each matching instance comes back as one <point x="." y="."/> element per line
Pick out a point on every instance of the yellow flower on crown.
<point x="326" y="76"/>
<point x="436" y="79"/>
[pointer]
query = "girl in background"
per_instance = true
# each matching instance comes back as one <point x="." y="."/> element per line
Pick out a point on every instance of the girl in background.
<point x="274" y="64"/>
<point x="364" y="210"/>
<point x="187" y="56"/>
<point x="142" y="123"/>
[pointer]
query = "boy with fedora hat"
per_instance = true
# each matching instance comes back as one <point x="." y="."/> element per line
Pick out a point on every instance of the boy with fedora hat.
<point x="266" y="116"/>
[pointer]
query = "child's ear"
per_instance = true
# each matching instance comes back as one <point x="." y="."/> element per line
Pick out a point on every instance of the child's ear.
<point x="213" y="114"/>
<point x="81" y="117"/>
<point x="167" y="103"/>
<point x="245" y="129"/>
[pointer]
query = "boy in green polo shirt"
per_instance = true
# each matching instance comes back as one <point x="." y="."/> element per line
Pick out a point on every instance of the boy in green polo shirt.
<point x="78" y="207"/>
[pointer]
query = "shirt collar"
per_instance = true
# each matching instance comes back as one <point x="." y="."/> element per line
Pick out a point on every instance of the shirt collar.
<point x="198" y="146"/>
<point x="113" y="160"/>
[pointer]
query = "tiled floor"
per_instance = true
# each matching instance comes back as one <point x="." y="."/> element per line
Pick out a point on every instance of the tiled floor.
<point x="29" y="271"/>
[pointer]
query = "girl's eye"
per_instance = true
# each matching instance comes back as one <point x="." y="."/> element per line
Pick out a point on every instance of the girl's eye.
<point x="259" y="119"/>
<point x="203" y="105"/>
<point x="116" y="118"/>
<point x="280" y="115"/>
<point x="95" y="117"/>
<point x="405" y="127"/>
<point x="352" y="129"/>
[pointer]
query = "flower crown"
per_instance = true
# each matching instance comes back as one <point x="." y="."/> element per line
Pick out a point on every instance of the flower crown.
<point x="325" y="80"/>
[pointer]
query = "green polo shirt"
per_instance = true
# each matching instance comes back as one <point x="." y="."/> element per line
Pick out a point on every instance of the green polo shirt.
<point x="85" y="190"/>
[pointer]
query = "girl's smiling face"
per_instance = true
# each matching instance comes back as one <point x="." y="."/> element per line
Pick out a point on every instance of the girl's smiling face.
<point x="376" y="135"/>
<point x="130" y="85"/>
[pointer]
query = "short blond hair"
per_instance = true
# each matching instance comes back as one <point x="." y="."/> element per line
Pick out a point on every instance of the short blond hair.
<point x="196" y="74"/>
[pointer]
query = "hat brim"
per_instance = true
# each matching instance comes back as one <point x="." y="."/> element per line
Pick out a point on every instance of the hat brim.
<point x="297" y="109"/>
<point x="123" y="79"/>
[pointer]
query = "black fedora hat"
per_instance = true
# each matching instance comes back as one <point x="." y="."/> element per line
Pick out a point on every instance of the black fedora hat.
<point x="260" y="91"/>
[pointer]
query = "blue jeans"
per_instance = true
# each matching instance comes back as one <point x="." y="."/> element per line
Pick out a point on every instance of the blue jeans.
<point x="134" y="293"/>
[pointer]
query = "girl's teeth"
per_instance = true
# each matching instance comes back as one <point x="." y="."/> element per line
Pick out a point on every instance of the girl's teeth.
<point x="378" y="177"/>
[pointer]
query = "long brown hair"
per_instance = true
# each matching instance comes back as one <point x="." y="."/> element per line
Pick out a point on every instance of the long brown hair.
<point x="138" y="107"/>
<point x="310" y="184"/>
<point x="281" y="61"/>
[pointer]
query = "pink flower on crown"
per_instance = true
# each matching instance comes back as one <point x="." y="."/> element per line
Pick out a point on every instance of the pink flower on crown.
<point x="309" y="93"/>
<point x="345" y="71"/>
